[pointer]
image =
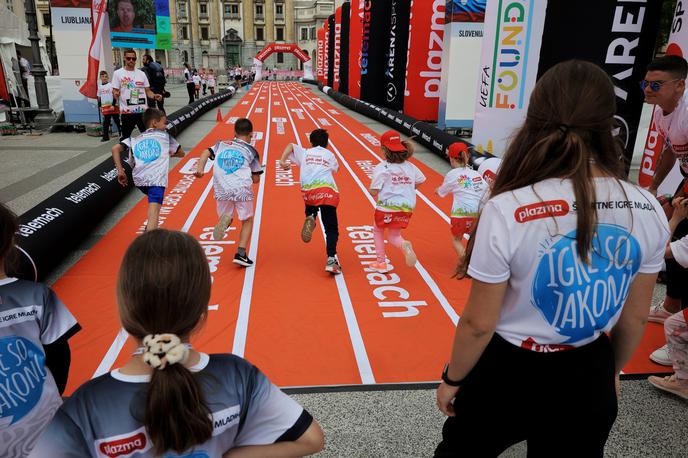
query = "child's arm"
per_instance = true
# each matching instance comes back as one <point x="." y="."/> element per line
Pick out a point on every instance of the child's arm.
<point x="200" y="166"/>
<point x="287" y="152"/>
<point x="180" y="152"/>
<point x="121" y="176"/>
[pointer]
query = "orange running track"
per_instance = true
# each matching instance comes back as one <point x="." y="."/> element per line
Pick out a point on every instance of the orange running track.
<point x="300" y="325"/>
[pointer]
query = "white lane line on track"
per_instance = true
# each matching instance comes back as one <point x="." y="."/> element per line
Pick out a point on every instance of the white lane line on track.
<point x="446" y="306"/>
<point x="418" y="193"/>
<point x="364" y="369"/>
<point x="121" y="338"/>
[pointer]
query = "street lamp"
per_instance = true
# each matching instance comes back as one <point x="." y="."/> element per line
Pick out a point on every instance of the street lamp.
<point x="44" y="118"/>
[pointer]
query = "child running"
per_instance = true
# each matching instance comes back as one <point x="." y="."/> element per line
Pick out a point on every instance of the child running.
<point x="468" y="188"/>
<point x="318" y="189"/>
<point x="394" y="186"/>
<point x="150" y="155"/>
<point x="34" y="351"/>
<point x="237" y="168"/>
<point x="169" y="399"/>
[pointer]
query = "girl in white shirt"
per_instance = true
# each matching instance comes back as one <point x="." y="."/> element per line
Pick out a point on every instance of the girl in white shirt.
<point x="211" y="81"/>
<point x="564" y="260"/>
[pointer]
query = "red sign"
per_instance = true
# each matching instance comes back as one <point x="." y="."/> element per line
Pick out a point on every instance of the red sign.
<point x="355" y="39"/>
<point x="320" y="56"/>
<point x="326" y="53"/>
<point x="292" y="48"/>
<point x="546" y="209"/>
<point x="337" y="47"/>
<point x="424" y="64"/>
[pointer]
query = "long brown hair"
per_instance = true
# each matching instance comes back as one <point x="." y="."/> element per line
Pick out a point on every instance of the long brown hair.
<point x="569" y="126"/>
<point x="9" y="224"/>
<point x="164" y="287"/>
<point x="399" y="157"/>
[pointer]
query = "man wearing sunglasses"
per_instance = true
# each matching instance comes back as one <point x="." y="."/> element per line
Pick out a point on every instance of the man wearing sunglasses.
<point x="664" y="86"/>
<point x="130" y="85"/>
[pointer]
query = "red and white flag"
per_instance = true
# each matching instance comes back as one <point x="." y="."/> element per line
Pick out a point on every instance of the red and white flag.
<point x="98" y="21"/>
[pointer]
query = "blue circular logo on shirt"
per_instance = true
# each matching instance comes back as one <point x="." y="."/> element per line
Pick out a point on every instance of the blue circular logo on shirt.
<point x="22" y="375"/>
<point x="147" y="150"/>
<point x="578" y="298"/>
<point x="230" y="160"/>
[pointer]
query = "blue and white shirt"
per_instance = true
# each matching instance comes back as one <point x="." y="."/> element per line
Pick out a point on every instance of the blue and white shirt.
<point x="235" y="163"/>
<point x="149" y="154"/>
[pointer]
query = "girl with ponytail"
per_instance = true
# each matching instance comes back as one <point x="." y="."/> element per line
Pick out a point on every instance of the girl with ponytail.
<point x="564" y="258"/>
<point x="169" y="399"/>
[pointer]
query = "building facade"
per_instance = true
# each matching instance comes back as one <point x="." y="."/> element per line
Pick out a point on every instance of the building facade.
<point x="196" y="34"/>
<point x="309" y="16"/>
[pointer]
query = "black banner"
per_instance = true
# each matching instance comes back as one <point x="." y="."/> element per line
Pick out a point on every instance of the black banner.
<point x="374" y="48"/>
<point x="330" y="50"/>
<point x="395" y="68"/>
<point x="52" y="229"/>
<point x="619" y="36"/>
<point x="344" y="51"/>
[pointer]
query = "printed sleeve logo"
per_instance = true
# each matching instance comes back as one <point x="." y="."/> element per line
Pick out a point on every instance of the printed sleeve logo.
<point x="147" y="150"/>
<point x="578" y="299"/>
<point x="124" y="445"/>
<point x="230" y="160"/>
<point x="22" y="376"/>
<point x="546" y="209"/>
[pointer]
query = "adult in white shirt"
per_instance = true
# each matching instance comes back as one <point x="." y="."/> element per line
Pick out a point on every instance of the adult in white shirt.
<point x="188" y="80"/>
<point x="665" y="87"/>
<point x="564" y="261"/>
<point x="131" y="87"/>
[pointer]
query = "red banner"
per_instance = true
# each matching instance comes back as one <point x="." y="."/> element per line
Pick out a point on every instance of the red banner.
<point x="292" y="48"/>
<point x="320" y="56"/>
<point x="424" y="64"/>
<point x="326" y="51"/>
<point x="355" y="38"/>
<point x="337" y="47"/>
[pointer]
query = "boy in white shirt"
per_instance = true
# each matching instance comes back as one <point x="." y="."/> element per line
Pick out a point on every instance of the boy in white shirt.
<point x="108" y="106"/>
<point x="237" y="168"/>
<point x="150" y="155"/>
<point x="318" y="189"/>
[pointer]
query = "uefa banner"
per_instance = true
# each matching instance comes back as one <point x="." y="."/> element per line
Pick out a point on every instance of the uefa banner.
<point x="330" y="49"/>
<point x="336" y="67"/>
<point x="424" y="60"/>
<point x="358" y="10"/>
<point x="375" y="46"/>
<point x="320" y="56"/>
<point x="678" y="45"/>
<point x="344" y="49"/>
<point x="395" y="68"/>
<point x="140" y="24"/>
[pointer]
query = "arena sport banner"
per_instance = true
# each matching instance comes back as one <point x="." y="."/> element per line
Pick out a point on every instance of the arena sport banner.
<point x="140" y="24"/>
<point x="374" y="48"/>
<point x="330" y="49"/>
<point x="358" y="10"/>
<point x="463" y="35"/>
<point x="336" y="66"/>
<point x="320" y="55"/>
<point x="677" y="46"/>
<point x="344" y="49"/>
<point x="395" y="65"/>
<point x="424" y="60"/>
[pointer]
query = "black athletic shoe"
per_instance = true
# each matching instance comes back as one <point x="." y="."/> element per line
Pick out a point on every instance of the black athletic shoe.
<point x="242" y="260"/>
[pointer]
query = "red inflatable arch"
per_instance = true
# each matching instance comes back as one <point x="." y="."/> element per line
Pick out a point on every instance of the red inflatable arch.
<point x="292" y="48"/>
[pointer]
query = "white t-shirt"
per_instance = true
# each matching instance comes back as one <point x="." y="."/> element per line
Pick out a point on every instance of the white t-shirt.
<point x="211" y="80"/>
<point x="151" y="153"/>
<point x="235" y="163"/>
<point x="674" y="127"/>
<point x="397" y="185"/>
<point x="106" y="99"/>
<point x="555" y="301"/>
<point x="25" y="68"/>
<point x="316" y="167"/>
<point x="679" y="249"/>
<point x="468" y="188"/>
<point x="187" y="76"/>
<point x="196" y="79"/>
<point x="132" y="86"/>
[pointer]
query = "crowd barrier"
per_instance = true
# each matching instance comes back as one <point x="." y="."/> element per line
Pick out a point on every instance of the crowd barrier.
<point x="52" y="229"/>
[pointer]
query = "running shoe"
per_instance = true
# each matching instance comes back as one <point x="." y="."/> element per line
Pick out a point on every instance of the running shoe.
<point x="670" y="384"/>
<point x="380" y="267"/>
<point x="333" y="266"/>
<point x="411" y="258"/>
<point x="658" y="314"/>
<point x="661" y="356"/>
<point x="307" y="229"/>
<point x="221" y="226"/>
<point x="242" y="260"/>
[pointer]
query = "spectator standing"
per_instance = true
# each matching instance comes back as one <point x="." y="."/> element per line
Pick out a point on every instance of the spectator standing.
<point x="190" y="85"/>
<point x="157" y="80"/>
<point x="211" y="81"/>
<point x="197" y="84"/>
<point x="109" y="108"/>
<point x="25" y="70"/>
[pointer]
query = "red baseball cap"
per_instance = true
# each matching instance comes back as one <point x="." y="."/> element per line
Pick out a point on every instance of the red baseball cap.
<point x="455" y="150"/>
<point x="392" y="141"/>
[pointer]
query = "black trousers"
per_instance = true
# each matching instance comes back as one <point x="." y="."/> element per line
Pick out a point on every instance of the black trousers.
<point x="563" y="403"/>
<point x="107" y="122"/>
<point x="129" y="121"/>
<point x="191" y="89"/>
<point x="329" y="219"/>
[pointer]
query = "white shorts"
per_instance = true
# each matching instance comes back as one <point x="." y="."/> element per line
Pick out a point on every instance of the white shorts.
<point x="244" y="209"/>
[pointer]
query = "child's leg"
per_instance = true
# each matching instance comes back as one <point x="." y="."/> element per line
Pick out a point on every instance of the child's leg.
<point x="398" y="241"/>
<point x="153" y="215"/>
<point x="379" y="234"/>
<point x="245" y="235"/>
<point x="676" y="331"/>
<point x="309" y="223"/>
<point x="458" y="246"/>
<point x="329" y="218"/>
<point x="395" y="238"/>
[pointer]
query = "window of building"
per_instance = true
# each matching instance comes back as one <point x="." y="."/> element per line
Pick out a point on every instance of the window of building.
<point x="181" y="9"/>
<point x="260" y="35"/>
<point x="10" y="5"/>
<point x="280" y="57"/>
<point x="235" y="10"/>
<point x="259" y="10"/>
<point x="313" y="33"/>
<point x="279" y="33"/>
<point x="46" y="18"/>
<point x="228" y="8"/>
<point x="203" y="9"/>
<point x="185" y="32"/>
<point x="279" y="10"/>
<point x="304" y="33"/>
<point x="204" y="33"/>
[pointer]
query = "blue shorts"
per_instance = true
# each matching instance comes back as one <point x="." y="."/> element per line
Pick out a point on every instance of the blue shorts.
<point x="154" y="193"/>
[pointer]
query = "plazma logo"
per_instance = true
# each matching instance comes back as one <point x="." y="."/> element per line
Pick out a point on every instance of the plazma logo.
<point x="230" y="160"/>
<point x="147" y="150"/>
<point x="22" y="375"/>
<point x="509" y="63"/>
<point x="578" y="298"/>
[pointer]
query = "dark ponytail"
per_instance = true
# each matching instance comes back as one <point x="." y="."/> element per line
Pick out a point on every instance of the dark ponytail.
<point x="9" y="225"/>
<point x="164" y="287"/>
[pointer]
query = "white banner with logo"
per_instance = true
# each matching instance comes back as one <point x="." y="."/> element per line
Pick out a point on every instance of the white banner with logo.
<point x="508" y="70"/>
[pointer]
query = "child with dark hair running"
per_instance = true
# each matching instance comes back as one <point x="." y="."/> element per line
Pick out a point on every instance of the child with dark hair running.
<point x="149" y="154"/>
<point x="169" y="399"/>
<point x="394" y="186"/>
<point x="34" y="351"/>
<point x="318" y="189"/>
<point x="237" y="168"/>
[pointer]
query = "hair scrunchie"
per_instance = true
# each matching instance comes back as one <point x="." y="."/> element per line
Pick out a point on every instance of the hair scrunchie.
<point x="162" y="350"/>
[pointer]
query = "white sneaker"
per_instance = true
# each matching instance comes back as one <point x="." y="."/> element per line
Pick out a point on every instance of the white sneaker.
<point x="661" y="356"/>
<point x="658" y="314"/>
<point x="410" y="256"/>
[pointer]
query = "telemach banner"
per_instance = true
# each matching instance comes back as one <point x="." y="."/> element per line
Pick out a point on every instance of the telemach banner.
<point x="330" y="49"/>
<point x="424" y="60"/>
<point x="336" y="67"/>
<point x="358" y="10"/>
<point x="374" y="48"/>
<point x="395" y="68"/>
<point x="320" y="56"/>
<point x="344" y="49"/>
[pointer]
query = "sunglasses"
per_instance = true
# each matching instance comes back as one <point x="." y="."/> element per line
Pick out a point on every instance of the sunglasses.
<point x="655" y="85"/>
<point x="130" y="58"/>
